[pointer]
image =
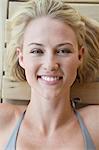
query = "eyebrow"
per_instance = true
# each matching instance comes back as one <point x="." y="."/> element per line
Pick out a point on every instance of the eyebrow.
<point x="62" y="44"/>
<point x="58" y="45"/>
<point x="35" y="44"/>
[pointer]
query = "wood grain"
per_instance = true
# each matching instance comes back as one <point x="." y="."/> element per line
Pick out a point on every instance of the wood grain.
<point x="3" y="8"/>
<point x="88" y="93"/>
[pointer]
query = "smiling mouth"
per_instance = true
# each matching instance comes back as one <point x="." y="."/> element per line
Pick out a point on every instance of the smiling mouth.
<point x="50" y="78"/>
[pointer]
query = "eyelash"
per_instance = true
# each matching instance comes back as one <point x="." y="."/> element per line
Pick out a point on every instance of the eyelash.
<point x="37" y="51"/>
<point x="64" y="51"/>
<point x="41" y="52"/>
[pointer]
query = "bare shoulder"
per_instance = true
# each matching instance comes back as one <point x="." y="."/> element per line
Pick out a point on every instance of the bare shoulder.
<point x="90" y="115"/>
<point x="9" y="115"/>
<point x="9" y="112"/>
<point x="90" y="112"/>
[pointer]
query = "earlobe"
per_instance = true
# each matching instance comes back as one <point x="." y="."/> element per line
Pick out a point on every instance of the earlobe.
<point x="20" y="57"/>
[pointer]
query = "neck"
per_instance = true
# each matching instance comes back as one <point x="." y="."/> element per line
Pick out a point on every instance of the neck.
<point x="49" y="114"/>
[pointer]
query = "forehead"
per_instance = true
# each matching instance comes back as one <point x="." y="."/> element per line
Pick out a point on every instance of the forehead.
<point x="48" y="29"/>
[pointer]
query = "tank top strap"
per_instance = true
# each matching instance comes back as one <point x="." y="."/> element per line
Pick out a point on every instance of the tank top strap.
<point x="11" y="145"/>
<point x="89" y="144"/>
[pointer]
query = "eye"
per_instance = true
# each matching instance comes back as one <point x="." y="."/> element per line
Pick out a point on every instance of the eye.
<point x="64" y="51"/>
<point x="36" y="51"/>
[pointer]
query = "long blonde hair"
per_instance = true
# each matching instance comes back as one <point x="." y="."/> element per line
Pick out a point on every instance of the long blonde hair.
<point x="87" y="32"/>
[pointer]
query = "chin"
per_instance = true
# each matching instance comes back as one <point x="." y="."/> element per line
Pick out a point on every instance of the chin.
<point x="48" y="95"/>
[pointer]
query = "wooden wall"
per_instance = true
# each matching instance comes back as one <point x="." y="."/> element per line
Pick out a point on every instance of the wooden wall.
<point x="9" y="90"/>
<point x="3" y="7"/>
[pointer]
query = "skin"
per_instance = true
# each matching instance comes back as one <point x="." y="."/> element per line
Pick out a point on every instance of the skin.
<point x="49" y="121"/>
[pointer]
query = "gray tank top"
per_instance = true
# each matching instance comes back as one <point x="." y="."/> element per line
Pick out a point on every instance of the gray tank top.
<point x="89" y="145"/>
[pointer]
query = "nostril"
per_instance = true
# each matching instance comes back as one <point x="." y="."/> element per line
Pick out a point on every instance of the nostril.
<point x="38" y="77"/>
<point x="54" y="67"/>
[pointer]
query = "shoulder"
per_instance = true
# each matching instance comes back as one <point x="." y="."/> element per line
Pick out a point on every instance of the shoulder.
<point x="9" y="112"/>
<point x="9" y="115"/>
<point x="90" y="115"/>
<point x="90" y="112"/>
<point x="93" y="109"/>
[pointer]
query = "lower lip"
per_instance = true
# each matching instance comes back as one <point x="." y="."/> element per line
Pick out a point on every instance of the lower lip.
<point x="50" y="82"/>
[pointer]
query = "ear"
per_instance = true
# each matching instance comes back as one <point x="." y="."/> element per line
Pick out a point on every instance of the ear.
<point x="81" y="54"/>
<point x="20" y="56"/>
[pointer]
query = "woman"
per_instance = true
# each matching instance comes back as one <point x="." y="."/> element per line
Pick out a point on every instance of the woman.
<point x="51" y="46"/>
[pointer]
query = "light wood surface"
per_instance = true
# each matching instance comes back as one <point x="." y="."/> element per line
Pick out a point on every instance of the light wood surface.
<point x="83" y="1"/>
<point x="76" y="1"/>
<point x="3" y="8"/>
<point x="15" y="90"/>
<point x="87" y="93"/>
<point x="90" y="10"/>
<point x="1" y="45"/>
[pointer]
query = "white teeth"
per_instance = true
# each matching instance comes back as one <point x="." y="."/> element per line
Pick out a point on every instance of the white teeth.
<point x="49" y="78"/>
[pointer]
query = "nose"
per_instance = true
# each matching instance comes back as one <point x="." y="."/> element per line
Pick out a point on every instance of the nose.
<point x="51" y="64"/>
<point x="54" y="67"/>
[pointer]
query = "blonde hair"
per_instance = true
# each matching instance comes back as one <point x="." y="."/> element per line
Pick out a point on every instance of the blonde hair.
<point x="87" y="32"/>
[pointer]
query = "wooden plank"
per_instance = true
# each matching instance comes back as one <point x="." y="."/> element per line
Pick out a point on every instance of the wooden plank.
<point x="83" y="1"/>
<point x="85" y="9"/>
<point x="91" y="10"/>
<point x="88" y="93"/>
<point x="15" y="90"/>
<point x="3" y="7"/>
<point x="1" y="45"/>
<point x="18" y="0"/>
<point x="70" y="1"/>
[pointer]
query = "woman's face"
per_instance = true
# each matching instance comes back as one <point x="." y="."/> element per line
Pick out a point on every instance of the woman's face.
<point x="48" y="42"/>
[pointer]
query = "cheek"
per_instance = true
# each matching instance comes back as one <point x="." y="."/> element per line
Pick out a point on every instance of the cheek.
<point x="30" y="67"/>
<point x="72" y="64"/>
<point x="70" y="68"/>
<point x="29" y="63"/>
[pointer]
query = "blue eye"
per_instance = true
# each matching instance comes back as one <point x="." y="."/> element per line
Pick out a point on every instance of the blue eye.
<point x="36" y="51"/>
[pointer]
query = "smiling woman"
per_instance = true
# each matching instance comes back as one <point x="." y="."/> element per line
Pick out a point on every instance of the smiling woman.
<point x="51" y="47"/>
